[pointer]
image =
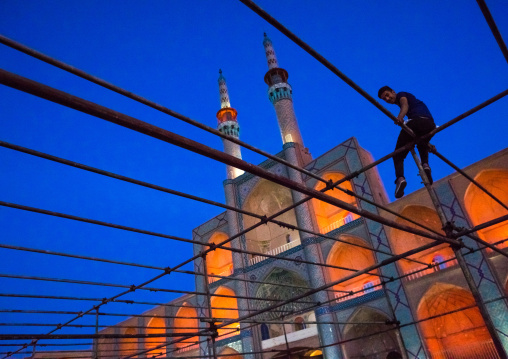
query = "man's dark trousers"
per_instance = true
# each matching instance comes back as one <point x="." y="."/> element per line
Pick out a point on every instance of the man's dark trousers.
<point x="420" y="127"/>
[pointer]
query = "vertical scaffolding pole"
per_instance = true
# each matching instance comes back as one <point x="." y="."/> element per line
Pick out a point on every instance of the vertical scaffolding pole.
<point x="96" y="341"/>
<point x="212" y="324"/>
<point x="448" y="228"/>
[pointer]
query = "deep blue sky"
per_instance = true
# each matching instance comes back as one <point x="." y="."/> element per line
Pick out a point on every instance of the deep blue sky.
<point x="170" y="52"/>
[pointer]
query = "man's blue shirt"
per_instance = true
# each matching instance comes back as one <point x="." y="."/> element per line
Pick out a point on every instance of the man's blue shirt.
<point x="416" y="107"/>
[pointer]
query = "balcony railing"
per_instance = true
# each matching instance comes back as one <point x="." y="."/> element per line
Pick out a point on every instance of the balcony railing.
<point x="225" y="273"/>
<point x="423" y="270"/>
<point x="479" y="350"/>
<point x="337" y="224"/>
<point x="358" y="291"/>
<point x="275" y="251"/>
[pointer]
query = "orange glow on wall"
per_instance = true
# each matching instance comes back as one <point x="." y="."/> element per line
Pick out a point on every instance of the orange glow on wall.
<point x="129" y="346"/>
<point x="156" y="326"/>
<point x="402" y="241"/>
<point x="353" y="257"/>
<point x="220" y="260"/>
<point x="330" y="217"/>
<point x="229" y="352"/>
<point x="455" y="335"/>
<point x="225" y="302"/>
<point x="186" y="322"/>
<point x="482" y="208"/>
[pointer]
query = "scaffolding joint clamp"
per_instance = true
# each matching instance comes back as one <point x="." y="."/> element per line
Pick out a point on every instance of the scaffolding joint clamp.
<point x="167" y="270"/>
<point x="329" y="185"/>
<point x="132" y="288"/>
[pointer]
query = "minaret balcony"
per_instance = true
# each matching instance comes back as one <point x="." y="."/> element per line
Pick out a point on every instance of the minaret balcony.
<point x="280" y="91"/>
<point x="230" y="128"/>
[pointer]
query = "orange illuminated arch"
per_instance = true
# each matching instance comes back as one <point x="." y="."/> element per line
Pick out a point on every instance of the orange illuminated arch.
<point x="461" y="333"/>
<point x="330" y="217"/>
<point x="219" y="261"/>
<point x="156" y="325"/>
<point x="353" y="257"/>
<point x="225" y="302"/>
<point x="186" y="322"/>
<point x="230" y="352"/>
<point x="402" y="241"/>
<point x="482" y="208"/>
<point x="267" y="198"/>
<point x="129" y="346"/>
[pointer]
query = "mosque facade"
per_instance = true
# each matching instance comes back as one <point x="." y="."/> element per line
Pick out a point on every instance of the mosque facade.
<point x="418" y="307"/>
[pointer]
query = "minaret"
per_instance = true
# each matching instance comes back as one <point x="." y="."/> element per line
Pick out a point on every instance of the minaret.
<point x="280" y="94"/>
<point x="228" y="125"/>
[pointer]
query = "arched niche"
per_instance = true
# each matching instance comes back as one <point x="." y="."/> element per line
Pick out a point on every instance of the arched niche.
<point x="372" y="345"/>
<point x="231" y="353"/>
<point x="267" y="198"/>
<point x="330" y="217"/>
<point x="402" y="241"/>
<point x="219" y="261"/>
<point x="156" y="325"/>
<point x="460" y="334"/>
<point x="230" y="310"/>
<point x="186" y="321"/>
<point x="482" y="208"/>
<point x="129" y="346"/>
<point x="353" y="257"/>
<point x="294" y="285"/>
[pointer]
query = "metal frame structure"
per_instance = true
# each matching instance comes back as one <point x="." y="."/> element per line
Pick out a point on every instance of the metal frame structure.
<point x="453" y="235"/>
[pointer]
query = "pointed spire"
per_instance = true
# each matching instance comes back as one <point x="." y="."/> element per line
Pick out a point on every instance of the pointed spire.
<point x="223" y="91"/>
<point x="271" y="58"/>
<point x="228" y="125"/>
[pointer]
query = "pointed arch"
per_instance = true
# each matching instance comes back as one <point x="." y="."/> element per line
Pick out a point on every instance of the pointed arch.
<point x="267" y="198"/>
<point x="186" y="322"/>
<point x="352" y="257"/>
<point x="219" y="261"/>
<point x="372" y="345"/>
<point x="129" y="346"/>
<point x="231" y="353"/>
<point x="330" y="217"/>
<point x="402" y="241"/>
<point x="459" y="334"/>
<point x="231" y="312"/>
<point x="281" y="293"/>
<point x="156" y="325"/>
<point x="482" y="208"/>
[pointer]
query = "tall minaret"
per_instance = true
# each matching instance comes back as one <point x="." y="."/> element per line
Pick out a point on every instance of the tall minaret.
<point x="280" y="94"/>
<point x="228" y="125"/>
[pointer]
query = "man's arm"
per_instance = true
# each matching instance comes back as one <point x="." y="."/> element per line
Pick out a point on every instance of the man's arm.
<point x="404" y="107"/>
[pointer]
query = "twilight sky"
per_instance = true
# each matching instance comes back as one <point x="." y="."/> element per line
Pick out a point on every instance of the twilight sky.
<point x="170" y="52"/>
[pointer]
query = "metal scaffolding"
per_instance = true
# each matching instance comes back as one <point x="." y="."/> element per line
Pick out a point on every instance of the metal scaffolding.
<point x="211" y="329"/>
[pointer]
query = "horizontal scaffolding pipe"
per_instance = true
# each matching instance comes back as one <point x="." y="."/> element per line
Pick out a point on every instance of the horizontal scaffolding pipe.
<point x="203" y="200"/>
<point x="90" y="336"/>
<point x="96" y="110"/>
<point x="31" y="52"/>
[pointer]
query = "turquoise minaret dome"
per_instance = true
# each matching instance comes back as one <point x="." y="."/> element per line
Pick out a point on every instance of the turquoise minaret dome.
<point x="228" y="125"/>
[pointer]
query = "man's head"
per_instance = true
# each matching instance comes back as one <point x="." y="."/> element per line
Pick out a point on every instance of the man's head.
<point x="387" y="94"/>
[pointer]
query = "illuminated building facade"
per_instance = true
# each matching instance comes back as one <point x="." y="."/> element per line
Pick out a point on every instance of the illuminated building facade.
<point x="432" y="283"/>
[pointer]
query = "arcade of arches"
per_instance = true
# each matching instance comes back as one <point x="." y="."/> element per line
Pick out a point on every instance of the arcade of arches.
<point x="129" y="346"/>
<point x="482" y="208"/>
<point x="461" y="334"/>
<point x="186" y="321"/>
<point x="331" y="217"/>
<point x="402" y="241"/>
<point x="219" y="261"/>
<point x="230" y="310"/>
<point x="373" y="345"/>
<point x="268" y="198"/>
<point x="156" y="326"/>
<point x="349" y="256"/>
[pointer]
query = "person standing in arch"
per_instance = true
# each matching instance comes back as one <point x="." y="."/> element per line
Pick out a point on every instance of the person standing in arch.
<point x="420" y="121"/>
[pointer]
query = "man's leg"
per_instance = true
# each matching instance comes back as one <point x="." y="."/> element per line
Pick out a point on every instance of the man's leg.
<point x="421" y="127"/>
<point x="398" y="161"/>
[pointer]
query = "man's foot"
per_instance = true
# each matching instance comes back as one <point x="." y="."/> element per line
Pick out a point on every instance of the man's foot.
<point x="400" y="184"/>
<point x="426" y="168"/>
